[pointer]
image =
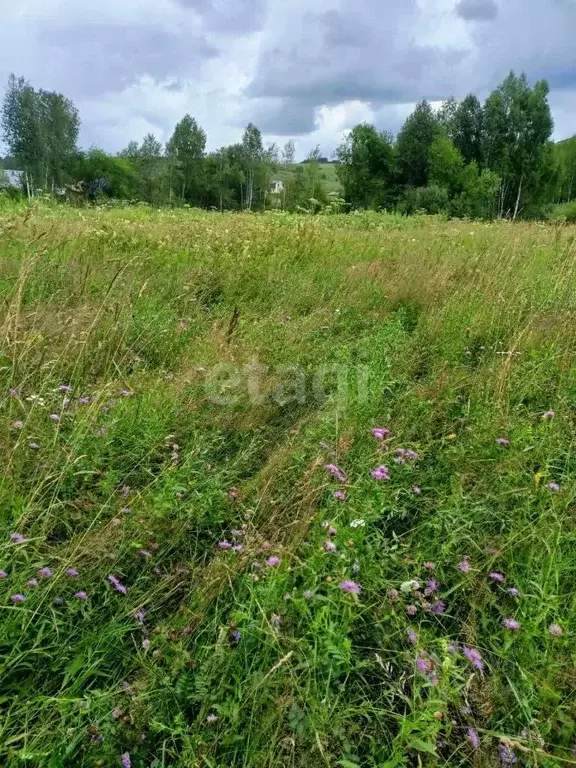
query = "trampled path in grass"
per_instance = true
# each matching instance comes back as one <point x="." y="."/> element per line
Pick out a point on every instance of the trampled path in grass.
<point x="286" y="491"/>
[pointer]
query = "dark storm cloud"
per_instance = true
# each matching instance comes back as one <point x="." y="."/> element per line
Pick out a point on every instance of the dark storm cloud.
<point x="281" y="117"/>
<point x="106" y="58"/>
<point x="477" y="10"/>
<point x="232" y="16"/>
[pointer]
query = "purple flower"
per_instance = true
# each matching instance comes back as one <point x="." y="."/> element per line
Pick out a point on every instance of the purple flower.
<point x="65" y="388"/>
<point x="502" y="441"/>
<point x="548" y="415"/>
<point x="556" y="630"/>
<point x="336" y="472"/>
<point x="32" y="583"/>
<point x="126" y="760"/>
<point x="84" y="400"/>
<point x="431" y="587"/>
<point x="238" y="548"/>
<point x="472" y="736"/>
<point x="380" y="473"/>
<point x="452" y="647"/>
<point x="17" y="538"/>
<point x="554" y="486"/>
<point x="412" y="637"/>
<point x="144" y="553"/>
<point x="273" y="561"/>
<point x="140" y="616"/>
<point x="331" y="530"/>
<point x="417" y="490"/>
<point x="464" y="565"/>
<point x="125" y="393"/>
<point x="18" y="598"/>
<point x="81" y="595"/>
<point x="511" y="624"/>
<point x="350" y="586"/>
<point x="393" y="594"/>
<point x="308" y="594"/>
<point x="3" y="574"/>
<point x="224" y="544"/>
<point x="438" y="607"/>
<point x="329" y="546"/>
<point x="339" y="496"/>
<point x="54" y="417"/>
<point x="14" y="392"/>
<point x="116" y="584"/>
<point x="430" y="566"/>
<point x="45" y="573"/>
<point x="513" y="592"/>
<point x="72" y="572"/>
<point x="411" y="610"/>
<point x="407" y="454"/>
<point x="380" y="432"/>
<point x="473" y="657"/>
<point x="495" y="576"/>
<point x="236" y="636"/>
<point x="17" y="424"/>
<point x="423" y="664"/>
<point x="507" y="755"/>
<point x="157" y="571"/>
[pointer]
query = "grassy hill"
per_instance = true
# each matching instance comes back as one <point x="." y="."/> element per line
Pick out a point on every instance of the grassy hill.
<point x="285" y="491"/>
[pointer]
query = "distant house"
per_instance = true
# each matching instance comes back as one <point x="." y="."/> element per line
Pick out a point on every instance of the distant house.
<point x="276" y="186"/>
<point x="11" y="178"/>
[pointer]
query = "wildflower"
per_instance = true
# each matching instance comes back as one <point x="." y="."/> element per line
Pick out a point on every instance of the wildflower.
<point x="452" y="647"/>
<point x="513" y="592"/>
<point x="125" y="393"/>
<point x="417" y="490"/>
<point x="438" y="607"/>
<point x="84" y="400"/>
<point x="126" y="760"/>
<point x="146" y="644"/>
<point x="431" y="587"/>
<point x="224" y="544"/>
<point x="126" y="510"/>
<point x="65" y="388"/>
<point x="117" y="585"/>
<point x="412" y="637"/>
<point x="14" y="392"/>
<point x="429" y="566"/>
<point x="276" y="620"/>
<point x="380" y="433"/>
<point x="308" y="594"/>
<point x="81" y="595"/>
<point x="502" y="441"/>
<point x="464" y="565"/>
<point x="380" y="473"/>
<point x="336" y="472"/>
<point x="212" y="718"/>
<point x="17" y="424"/>
<point x="236" y="636"/>
<point x="350" y="586"/>
<point x="473" y="657"/>
<point x="411" y="610"/>
<point x="339" y="496"/>
<point x="329" y="546"/>
<point x="233" y="493"/>
<point x="157" y="571"/>
<point x="144" y="553"/>
<point x="495" y="576"/>
<point x="355" y="567"/>
<point x="3" y="574"/>
<point x="548" y="415"/>
<point x="54" y="417"/>
<point x="273" y="561"/>
<point x="117" y="713"/>
<point x="423" y="664"/>
<point x="32" y="582"/>
<point x="45" y="573"/>
<point x="237" y="532"/>
<point x="266" y="547"/>
<point x="17" y="538"/>
<point x="407" y="454"/>
<point x="409" y="586"/>
<point x="507" y="755"/>
<point x="331" y="530"/>
<point x="33" y="445"/>
<point x="140" y="616"/>
<point x="556" y="630"/>
<point x="72" y="572"/>
<point x="357" y="523"/>
<point x="511" y="624"/>
<point x="472" y="736"/>
<point x="554" y="486"/>
<point x="393" y="594"/>
<point x="17" y="598"/>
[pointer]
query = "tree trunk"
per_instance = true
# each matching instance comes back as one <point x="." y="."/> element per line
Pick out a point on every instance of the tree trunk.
<point x="518" y="198"/>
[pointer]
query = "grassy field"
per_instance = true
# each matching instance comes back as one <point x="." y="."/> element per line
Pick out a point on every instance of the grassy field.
<point x="209" y="559"/>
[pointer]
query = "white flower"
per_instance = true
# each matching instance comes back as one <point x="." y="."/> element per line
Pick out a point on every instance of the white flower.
<point x="357" y="523"/>
<point x="409" y="586"/>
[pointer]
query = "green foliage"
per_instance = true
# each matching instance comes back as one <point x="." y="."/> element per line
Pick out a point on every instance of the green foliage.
<point x="413" y="145"/>
<point x="106" y="175"/>
<point x="185" y="152"/>
<point x="366" y="167"/>
<point x="445" y="164"/>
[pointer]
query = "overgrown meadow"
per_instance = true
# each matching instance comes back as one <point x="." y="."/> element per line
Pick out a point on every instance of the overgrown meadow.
<point x="286" y="491"/>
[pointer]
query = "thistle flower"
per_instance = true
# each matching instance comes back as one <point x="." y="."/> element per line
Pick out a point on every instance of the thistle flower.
<point x="507" y="755"/>
<point x="84" y="400"/>
<point x="380" y="473"/>
<point x="126" y="760"/>
<point x="329" y="546"/>
<point x="464" y="565"/>
<point x="336" y="472"/>
<point x="511" y="624"/>
<point x="81" y="595"/>
<point x="502" y="441"/>
<point x="473" y="657"/>
<point x="339" y="496"/>
<point x="429" y="566"/>
<point x="556" y="630"/>
<point x="140" y="616"/>
<point x="65" y="388"/>
<point x="423" y="664"/>
<point x="548" y="415"/>
<point x="17" y="538"/>
<point x="224" y="544"/>
<point x="438" y="607"/>
<point x="411" y="610"/>
<point x="495" y="576"/>
<point x="473" y="739"/>
<point x="72" y="572"/>
<point x="125" y="393"/>
<point x="554" y="486"/>
<point x="350" y="586"/>
<point x="32" y="582"/>
<point x="17" y="598"/>
<point x="380" y="433"/>
<point x="238" y="548"/>
<point x="144" y="553"/>
<point x="431" y="587"/>
<point x="3" y="574"/>
<point x="118" y="586"/>
<point x="513" y="592"/>
<point x="273" y="561"/>
<point x="17" y="424"/>
<point x="412" y="637"/>
<point x="331" y="530"/>
<point x="393" y="595"/>
<point x="44" y="573"/>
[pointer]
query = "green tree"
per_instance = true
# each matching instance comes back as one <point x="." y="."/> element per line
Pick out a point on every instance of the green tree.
<point x="413" y="145"/>
<point x="366" y="166"/>
<point x="253" y="152"/>
<point x="444" y="165"/>
<point x="466" y="129"/>
<point x="106" y="175"/>
<point x="185" y="151"/>
<point x="289" y="152"/>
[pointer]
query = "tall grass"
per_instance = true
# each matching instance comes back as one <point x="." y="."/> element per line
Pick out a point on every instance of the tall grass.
<point x="176" y="380"/>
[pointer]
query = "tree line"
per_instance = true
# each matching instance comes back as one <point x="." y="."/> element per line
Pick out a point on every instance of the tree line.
<point x="467" y="159"/>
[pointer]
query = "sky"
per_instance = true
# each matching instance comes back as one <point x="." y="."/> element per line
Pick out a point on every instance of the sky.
<point x="298" y="69"/>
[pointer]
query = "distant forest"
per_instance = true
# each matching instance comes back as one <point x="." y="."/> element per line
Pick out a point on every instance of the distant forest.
<point x="467" y="159"/>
